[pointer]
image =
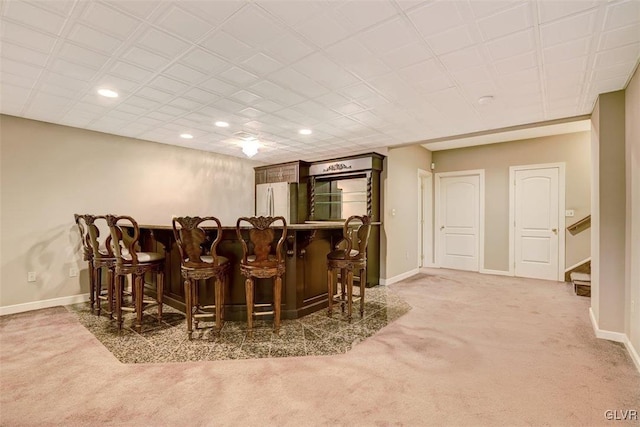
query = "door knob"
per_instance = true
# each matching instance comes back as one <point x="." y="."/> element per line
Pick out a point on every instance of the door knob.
<point x="441" y="227"/>
<point x="555" y="230"/>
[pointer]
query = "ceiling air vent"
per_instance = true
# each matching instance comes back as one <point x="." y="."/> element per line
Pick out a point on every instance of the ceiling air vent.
<point x="245" y="136"/>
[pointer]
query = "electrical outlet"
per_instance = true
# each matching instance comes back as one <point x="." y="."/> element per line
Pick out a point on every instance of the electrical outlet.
<point x="73" y="272"/>
<point x="569" y="213"/>
<point x="32" y="276"/>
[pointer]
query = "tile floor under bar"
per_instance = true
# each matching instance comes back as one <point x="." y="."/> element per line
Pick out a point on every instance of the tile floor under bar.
<point x="315" y="334"/>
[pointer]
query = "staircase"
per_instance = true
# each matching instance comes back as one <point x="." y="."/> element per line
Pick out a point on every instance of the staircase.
<point x="580" y="274"/>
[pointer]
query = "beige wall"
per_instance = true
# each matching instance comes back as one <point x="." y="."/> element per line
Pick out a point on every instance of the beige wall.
<point x="608" y="276"/>
<point x="399" y="240"/>
<point x="495" y="159"/>
<point x="632" y="277"/>
<point x="50" y="172"/>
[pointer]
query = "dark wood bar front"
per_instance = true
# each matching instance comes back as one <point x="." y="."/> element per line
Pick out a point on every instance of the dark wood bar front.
<point x="305" y="283"/>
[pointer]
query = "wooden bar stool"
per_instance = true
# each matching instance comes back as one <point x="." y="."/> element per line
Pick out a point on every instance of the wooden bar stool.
<point x="99" y="255"/>
<point x="351" y="255"/>
<point x="262" y="260"/>
<point x="129" y="260"/>
<point x="198" y="263"/>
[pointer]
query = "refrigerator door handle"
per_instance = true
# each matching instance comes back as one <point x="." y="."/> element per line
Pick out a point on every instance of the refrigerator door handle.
<point x="272" y="205"/>
<point x="267" y="208"/>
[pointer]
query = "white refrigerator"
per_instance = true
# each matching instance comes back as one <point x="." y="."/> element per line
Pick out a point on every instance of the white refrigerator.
<point x="273" y="200"/>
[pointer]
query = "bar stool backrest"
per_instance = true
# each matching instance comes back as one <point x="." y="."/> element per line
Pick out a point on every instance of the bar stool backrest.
<point x="193" y="240"/>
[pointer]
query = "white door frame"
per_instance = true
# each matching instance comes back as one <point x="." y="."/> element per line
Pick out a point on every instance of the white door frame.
<point x="561" y="213"/>
<point x="438" y="243"/>
<point x="425" y="219"/>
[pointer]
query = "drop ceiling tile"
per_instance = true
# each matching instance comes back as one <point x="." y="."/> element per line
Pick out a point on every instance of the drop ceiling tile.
<point x="406" y="55"/>
<point x="291" y="12"/>
<point x="80" y="55"/>
<point x="23" y="54"/>
<point x="609" y="85"/>
<point x="620" y="37"/>
<point x="422" y="71"/>
<point x="466" y="76"/>
<point x="288" y="49"/>
<point x="485" y="8"/>
<point x="112" y="21"/>
<point x="622" y="14"/>
<point x="59" y="91"/>
<point x="349" y="108"/>
<point x="118" y="84"/>
<point x="145" y="58"/>
<point x="374" y="100"/>
<point x="298" y="82"/>
<point x="514" y="44"/>
<point x="168" y="85"/>
<point x="262" y="64"/>
<point x="154" y="94"/>
<point x="238" y="76"/>
<point x="506" y="22"/>
<point x="184" y="73"/>
<point x="353" y="16"/>
<point x="387" y="36"/>
<point x="251" y="112"/>
<point x="162" y="43"/>
<point x="562" y="52"/>
<point x="435" y="17"/>
<point x="516" y="63"/>
<point x="204" y="61"/>
<point x="130" y="109"/>
<point x="23" y="36"/>
<point x="628" y="53"/>
<point x="368" y="68"/>
<point x="130" y="72"/>
<point x="61" y="7"/>
<point x="567" y="29"/>
<point x="619" y="70"/>
<point x="200" y="95"/>
<point x="184" y="24"/>
<point x="214" y="12"/>
<point x="164" y="117"/>
<point x="451" y="40"/>
<point x="322" y="30"/>
<point x="31" y="15"/>
<point x="73" y="70"/>
<point x="228" y="105"/>
<point x="186" y="104"/>
<point x="552" y="10"/>
<point x="227" y="46"/>
<point x="324" y="71"/>
<point x="253" y="26"/>
<point x="87" y="36"/>
<point x="245" y="97"/>
<point x="140" y="8"/>
<point x="465" y="58"/>
<point x="9" y="80"/>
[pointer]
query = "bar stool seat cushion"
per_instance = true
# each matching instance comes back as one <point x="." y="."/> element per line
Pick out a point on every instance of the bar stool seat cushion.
<point x="144" y="256"/>
<point x="208" y="259"/>
<point x="341" y="254"/>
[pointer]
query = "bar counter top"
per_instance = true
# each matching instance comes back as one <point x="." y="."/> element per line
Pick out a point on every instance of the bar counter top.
<point x="309" y="225"/>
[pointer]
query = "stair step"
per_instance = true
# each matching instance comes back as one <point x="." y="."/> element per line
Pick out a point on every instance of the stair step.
<point x="581" y="277"/>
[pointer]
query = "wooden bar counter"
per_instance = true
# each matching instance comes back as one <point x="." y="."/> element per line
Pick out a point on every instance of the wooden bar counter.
<point x="305" y="282"/>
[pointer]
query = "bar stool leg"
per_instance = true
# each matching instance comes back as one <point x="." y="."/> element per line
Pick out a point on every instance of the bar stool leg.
<point x="119" y="291"/>
<point x="97" y="289"/>
<point x="139" y="286"/>
<point x="187" y="306"/>
<point x="277" y="299"/>
<point x="363" y="282"/>
<point x="248" y="286"/>
<point x="92" y="286"/>
<point x="343" y="284"/>
<point x="330" y="292"/>
<point x="110" y="291"/>
<point x="349" y="293"/>
<point x="218" y="302"/>
<point x="160" y="293"/>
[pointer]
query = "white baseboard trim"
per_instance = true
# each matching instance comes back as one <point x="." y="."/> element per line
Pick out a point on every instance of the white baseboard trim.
<point x="496" y="272"/>
<point x="36" y="305"/>
<point x="399" y="277"/>
<point x="617" y="337"/>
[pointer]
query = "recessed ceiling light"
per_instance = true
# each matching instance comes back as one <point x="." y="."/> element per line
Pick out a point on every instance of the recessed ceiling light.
<point x="250" y="147"/>
<point x="108" y="93"/>
<point x="186" y="136"/>
<point x="305" y="131"/>
<point x="484" y="100"/>
<point x="222" y="124"/>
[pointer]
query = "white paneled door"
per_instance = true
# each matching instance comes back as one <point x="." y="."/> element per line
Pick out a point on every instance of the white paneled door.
<point x="537" y="223"/>
<point x="458" y="223"/>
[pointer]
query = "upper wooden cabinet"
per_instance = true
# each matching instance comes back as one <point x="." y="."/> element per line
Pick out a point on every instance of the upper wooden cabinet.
<point x="297" y="171"/>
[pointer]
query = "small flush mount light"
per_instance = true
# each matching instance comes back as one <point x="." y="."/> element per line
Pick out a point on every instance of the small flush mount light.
<point x="108" y="93"/>
<point x="186" y="136"/>
<point x="484" y="100"/>
<point x="250" y="147"/>
<point x="305" y="132"/>
<point x="222" y="124"/>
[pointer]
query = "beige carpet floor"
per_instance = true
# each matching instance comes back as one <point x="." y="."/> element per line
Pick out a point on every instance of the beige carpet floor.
<point x="475" y="350"/>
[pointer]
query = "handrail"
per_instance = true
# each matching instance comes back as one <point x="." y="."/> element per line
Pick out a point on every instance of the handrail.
<point x="580" y="226"/>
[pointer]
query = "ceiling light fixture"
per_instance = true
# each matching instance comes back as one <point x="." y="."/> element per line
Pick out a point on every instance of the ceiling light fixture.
<point x="186" y="136"/>
<point x="305" y="132"/>
<point x="484" y="100"/>
<point x="250" y="147"/>
<point x="222" y="124"/>
<point x="108" y="93"/>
